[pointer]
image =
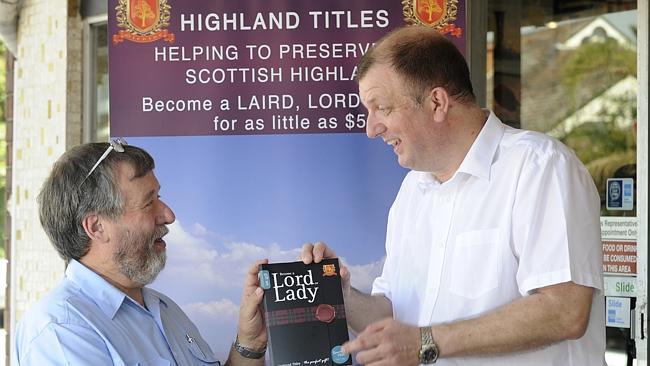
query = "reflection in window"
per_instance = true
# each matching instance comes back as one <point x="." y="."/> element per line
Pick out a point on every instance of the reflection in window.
<point x="569" y="70"/>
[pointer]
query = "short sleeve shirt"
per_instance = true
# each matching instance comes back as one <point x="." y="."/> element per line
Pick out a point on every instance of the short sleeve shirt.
<point x="520" y="213"/>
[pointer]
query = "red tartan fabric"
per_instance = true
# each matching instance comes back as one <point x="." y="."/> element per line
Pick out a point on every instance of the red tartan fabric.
<point x="299" y="315"/>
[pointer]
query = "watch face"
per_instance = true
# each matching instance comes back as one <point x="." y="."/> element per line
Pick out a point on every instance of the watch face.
<point x="428" y="354"/>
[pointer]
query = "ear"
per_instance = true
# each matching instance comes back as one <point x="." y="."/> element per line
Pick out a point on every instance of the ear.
<point x="439" y="99"/>
<point x="94" y="228"/>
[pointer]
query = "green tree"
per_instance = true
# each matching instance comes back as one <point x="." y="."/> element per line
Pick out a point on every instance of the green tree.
<point x="607" y="60"/>
<point x="596" y="66"/>
<point x="607" y="143"/>
<point x="612" y="132"/>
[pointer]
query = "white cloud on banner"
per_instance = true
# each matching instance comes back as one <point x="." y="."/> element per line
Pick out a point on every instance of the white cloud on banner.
<point x="200" y="230"/>
<point x="206" y="282"/>
<point x="195" y="264"/>
<point x="194" y="261"/>
<point x="201" y="267"/>
<point x="220" y="311"/>
<point x="363" y="275"/>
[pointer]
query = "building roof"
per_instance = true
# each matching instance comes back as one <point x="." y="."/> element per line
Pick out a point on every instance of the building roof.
<point x="545" y="53"/>
<point x="625" y="22"/>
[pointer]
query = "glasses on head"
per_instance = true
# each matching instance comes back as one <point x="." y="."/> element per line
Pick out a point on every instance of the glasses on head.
<point x="116" y="144"/>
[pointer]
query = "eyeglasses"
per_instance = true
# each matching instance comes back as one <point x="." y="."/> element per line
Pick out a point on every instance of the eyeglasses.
<point x="116" y="144"/>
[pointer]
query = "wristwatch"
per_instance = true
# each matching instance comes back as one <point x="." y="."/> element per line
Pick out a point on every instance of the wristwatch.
<point x="428" y="348"/>
<point x="248" y="352"/>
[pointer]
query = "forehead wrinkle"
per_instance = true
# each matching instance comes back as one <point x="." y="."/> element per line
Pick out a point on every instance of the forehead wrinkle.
<point x="369" y="100"/>
<point x="151" y="193"/>
<point x="136" y="200"/>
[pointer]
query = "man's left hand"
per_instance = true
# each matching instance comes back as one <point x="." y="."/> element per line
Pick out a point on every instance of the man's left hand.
<point x="251" y="331"/>
<point x="386" y="343"/>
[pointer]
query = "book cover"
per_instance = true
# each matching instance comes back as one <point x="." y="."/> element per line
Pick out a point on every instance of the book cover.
<point x="305" y="314"/>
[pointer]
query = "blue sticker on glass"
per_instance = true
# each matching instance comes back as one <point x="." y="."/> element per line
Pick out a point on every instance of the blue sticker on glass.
<point x="265" y="279"/>
<point x="338" y="356"/>
<point x="620" y="194"/>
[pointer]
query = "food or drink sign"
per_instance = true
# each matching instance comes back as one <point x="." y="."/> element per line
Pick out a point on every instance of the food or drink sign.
<point x="619" y="235"/>
<point x="217" y="67"/>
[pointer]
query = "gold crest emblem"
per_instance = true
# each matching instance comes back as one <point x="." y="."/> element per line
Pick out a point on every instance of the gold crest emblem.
<point x="329" y="270"/>
<point x="143" y="21"/>
<point x="438" y="14"/>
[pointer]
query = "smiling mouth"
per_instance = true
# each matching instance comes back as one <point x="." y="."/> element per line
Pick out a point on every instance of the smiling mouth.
<point x="159" y="244"/>
<point x="394" y="143"/>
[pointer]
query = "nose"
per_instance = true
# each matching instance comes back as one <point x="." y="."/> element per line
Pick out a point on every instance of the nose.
<point x="374" y="127"/>
<point x="165" y="216"/>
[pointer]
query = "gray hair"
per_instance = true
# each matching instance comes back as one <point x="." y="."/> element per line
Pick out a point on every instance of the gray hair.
<point x="66" y="199"/>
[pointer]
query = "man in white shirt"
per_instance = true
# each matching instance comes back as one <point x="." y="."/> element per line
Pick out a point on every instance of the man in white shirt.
<point x="493" y="242"/>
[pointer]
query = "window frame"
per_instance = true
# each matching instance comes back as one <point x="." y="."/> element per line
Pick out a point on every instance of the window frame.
<point x="89" y="123"/>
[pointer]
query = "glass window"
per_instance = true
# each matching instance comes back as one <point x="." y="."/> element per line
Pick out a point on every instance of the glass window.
<point x="568" y="69"/>
<point x="96" y="122"/>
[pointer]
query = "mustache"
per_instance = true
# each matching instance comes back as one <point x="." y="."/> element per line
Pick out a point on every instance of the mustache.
<point x="160" y="231"/>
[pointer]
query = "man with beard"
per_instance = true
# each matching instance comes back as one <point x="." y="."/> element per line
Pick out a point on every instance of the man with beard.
<point x="101" y="208"/>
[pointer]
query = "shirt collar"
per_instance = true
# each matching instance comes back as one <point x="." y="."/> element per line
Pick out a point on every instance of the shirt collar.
<point x="478" y="161"/>
<point x="106" y="296"/>
<point x="426" y="181"/>
<point x="153" y="301"/>
<point x="479" y="158"/>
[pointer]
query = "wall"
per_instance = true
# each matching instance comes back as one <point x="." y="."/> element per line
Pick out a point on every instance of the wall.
<point x="47" y="121"/>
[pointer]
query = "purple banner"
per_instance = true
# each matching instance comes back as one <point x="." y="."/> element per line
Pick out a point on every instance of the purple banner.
<point x="182" y="68"/>
<point x="279" y="69"/>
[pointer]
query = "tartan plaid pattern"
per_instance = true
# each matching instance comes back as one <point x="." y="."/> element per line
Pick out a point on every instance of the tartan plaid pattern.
<point x="299" y="315"/>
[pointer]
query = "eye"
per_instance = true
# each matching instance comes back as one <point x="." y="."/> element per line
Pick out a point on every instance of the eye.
<point x="151" y="202"/>
<point x="384" y="109"/>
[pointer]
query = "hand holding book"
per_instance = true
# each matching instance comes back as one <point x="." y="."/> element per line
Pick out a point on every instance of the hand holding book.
<point x="305" y="313"/>
<point x="315" y="253"/>
<point x="251" y="332"/>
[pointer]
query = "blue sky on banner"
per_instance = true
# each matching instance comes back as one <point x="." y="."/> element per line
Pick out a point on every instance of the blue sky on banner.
<point x="243" y="193"/>
<point x="241" y="198"/>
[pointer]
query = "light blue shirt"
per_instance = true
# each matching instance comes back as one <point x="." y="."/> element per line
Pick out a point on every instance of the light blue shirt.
<point x="87" y="321"/>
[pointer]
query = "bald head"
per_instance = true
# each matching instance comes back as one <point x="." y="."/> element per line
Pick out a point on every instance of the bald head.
<point x="424" y="59"/>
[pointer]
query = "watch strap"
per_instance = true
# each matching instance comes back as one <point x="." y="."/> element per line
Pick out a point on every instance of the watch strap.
<point x="248" y="352"/>
<point x="427" y="344"/>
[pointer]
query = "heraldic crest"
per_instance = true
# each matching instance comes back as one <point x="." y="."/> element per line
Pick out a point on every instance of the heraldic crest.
<point x="143" y="21"/>
<point x="438" y="14"/>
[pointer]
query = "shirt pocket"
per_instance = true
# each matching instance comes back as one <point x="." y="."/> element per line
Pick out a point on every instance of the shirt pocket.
<point x="202" y="354"/>
<point x="475" y="263"/>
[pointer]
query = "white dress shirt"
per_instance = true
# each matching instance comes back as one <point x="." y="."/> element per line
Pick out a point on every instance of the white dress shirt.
<point x="520" y="213"/>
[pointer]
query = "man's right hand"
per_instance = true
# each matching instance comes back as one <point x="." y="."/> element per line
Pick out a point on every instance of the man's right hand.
<point x="316" y="252"/>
